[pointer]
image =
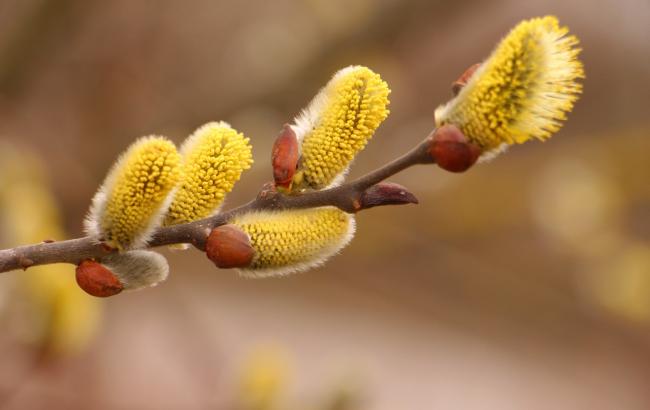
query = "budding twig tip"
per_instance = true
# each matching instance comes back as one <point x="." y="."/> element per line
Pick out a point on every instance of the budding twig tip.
<point x="386" y="193"/>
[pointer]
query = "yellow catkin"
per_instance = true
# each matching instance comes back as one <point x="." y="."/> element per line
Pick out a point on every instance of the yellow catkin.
<point x="338" y="124"/>
<point x="136" y="193"/>
<point x="523" y="90"/>
<point x="294" y="240"/>
<point x="214" y="158"/>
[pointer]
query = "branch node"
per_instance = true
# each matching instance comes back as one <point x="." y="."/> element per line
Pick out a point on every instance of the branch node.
<point x="25" y="262"/>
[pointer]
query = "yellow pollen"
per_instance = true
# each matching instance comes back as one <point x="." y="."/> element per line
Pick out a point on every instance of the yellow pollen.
<point x="214" y="158"/>
<point x="135" y="195"/>
<point x="523" y="90"/>
<point x="294" y="240"/>
<point x="338" y="124"/>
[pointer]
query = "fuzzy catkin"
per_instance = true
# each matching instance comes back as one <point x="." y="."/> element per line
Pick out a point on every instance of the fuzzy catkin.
<point x="136" y="193"/>
<point x="214" y="158"/>
<point x="523" y="90"/>
<point x="337" y="124"/>
<point x="294" y="240"/>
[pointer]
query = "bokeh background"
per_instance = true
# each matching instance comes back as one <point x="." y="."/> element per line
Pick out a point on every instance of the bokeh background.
<point x="524" y="283"/>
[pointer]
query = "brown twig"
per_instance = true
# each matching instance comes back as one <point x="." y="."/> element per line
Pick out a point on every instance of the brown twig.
<point x="348" y="197"/>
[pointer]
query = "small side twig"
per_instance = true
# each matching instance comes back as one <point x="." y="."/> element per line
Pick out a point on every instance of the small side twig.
<point x="348" y="197"/>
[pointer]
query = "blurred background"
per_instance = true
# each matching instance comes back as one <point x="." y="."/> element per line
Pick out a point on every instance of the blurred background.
<point x="524" y="283"/>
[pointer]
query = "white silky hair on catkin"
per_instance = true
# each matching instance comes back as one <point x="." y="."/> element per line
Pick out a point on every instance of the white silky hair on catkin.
<point x="488" y="156"/>
<point x="138" y="269"/>
<point x="92" y="222"/>
<point x="97" y="207"/>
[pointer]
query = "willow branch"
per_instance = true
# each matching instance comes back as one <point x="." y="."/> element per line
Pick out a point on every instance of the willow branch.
<point x="348" y="197"/>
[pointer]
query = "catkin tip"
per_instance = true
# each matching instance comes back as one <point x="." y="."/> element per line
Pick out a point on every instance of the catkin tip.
<point x="213" y="158"/>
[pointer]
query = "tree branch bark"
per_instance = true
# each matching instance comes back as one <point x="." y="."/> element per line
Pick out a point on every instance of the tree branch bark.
<point x="347" y="197"/>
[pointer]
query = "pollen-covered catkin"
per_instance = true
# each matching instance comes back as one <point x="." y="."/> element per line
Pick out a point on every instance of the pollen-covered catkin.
<point x="214" y="158"/>
<point x="294" y="240"/>
<point x="337" y="124"/>
<point x="522" y="91"/>
<point x="136" y="193"/>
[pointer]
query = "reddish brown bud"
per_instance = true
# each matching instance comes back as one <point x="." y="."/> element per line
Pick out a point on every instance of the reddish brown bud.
<point x="96" y="280"/>
<point x="451" y="149"/>
<point x="385" y="193"/>
<point x="284" y="158"/>
<point x="229" y="247"/>
<point x="461" y="82"/>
